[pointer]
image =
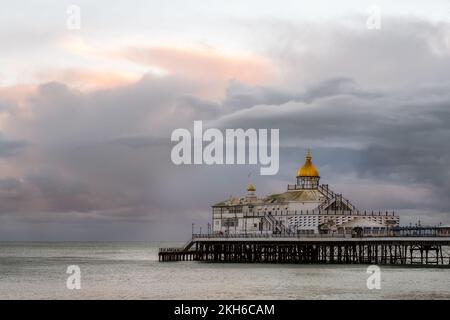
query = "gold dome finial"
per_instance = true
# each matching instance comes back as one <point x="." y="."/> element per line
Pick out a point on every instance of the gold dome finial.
<point x="251" y="188"/>
<point x="308" y="169"/>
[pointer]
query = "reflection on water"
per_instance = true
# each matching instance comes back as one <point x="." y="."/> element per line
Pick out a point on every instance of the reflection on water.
<point x="121" y="270"/>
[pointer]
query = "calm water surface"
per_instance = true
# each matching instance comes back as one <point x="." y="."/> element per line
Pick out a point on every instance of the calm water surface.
<point x="131" y="271"/>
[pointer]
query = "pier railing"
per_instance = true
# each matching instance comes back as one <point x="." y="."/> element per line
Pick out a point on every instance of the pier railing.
<point x="268" y="235"/>
<point x="277" y="211"/>
<point x="392" y="234"/>
<point x="171" y="249"/>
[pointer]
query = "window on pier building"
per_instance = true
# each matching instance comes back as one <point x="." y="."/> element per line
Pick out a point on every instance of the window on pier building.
<point x="235" y="209"/>
<point x="230" y="222"/>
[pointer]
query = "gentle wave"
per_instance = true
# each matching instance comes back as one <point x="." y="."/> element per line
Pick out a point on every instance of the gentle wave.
<point x="130" y="270"/>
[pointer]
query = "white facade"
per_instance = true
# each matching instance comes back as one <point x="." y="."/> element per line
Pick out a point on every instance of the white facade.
<point x="304" y="208"/>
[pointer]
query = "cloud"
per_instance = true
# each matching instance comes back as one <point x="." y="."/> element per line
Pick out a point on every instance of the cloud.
<point x="406" y="51"/>
<point x="9" y="147"/>
<point x="203" y="63"/>
<point x="88" y="79"/>
<point x="213" y="68"/>
<point x="381" y="124"/>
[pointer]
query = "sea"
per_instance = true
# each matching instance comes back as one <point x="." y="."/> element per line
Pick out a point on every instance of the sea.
<point x="130" y="270"/>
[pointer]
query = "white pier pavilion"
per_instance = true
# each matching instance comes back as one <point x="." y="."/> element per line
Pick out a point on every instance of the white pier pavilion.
<point x="306" y="207"/>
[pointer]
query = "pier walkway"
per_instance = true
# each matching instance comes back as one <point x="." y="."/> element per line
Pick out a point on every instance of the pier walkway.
<point x="320" y="249"/>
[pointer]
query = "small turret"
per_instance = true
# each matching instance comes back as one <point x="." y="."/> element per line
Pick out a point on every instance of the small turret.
<point x="251" y="193"/>
<point x="308" y="175"/>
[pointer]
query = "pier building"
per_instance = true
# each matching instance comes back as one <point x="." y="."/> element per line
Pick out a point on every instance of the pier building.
<point x="306" y="207"/>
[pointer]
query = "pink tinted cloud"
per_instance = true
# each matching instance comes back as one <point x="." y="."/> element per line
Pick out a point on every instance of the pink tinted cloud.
<point x="213" y="68"/>
<point x="209" y="69"/>
<point x="88" y="79"/>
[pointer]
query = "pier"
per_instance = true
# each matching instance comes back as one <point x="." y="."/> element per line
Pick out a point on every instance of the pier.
<point x="310" y="224"/>
<point x="314" y="249"/>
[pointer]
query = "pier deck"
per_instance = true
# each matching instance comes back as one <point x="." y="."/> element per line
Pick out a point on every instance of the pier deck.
<point x="428" y="251"/>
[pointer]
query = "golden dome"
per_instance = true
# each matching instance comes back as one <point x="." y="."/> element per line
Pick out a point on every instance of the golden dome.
<point x="251" y="188"/>
<point x="308" y="169"/>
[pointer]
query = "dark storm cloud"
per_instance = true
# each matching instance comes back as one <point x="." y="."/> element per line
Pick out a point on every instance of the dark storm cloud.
<point x="376" y="113"/>
<point x="242" y="96"/>
<point x="336" y="86"/>
<point x="417" y="121"/>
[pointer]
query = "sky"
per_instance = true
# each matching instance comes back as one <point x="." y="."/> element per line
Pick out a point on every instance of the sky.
<point x="86" y="113"/>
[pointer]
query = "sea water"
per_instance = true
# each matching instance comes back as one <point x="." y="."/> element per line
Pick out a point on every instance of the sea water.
<point x="130" y="270"/>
